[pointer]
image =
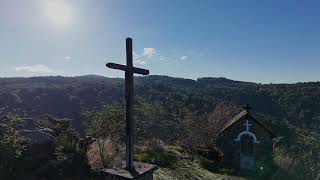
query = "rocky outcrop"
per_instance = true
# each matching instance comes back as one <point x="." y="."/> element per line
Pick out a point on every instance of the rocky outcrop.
<point x="41" y="143"/>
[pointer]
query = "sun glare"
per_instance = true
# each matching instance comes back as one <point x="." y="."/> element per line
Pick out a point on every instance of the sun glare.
<point x="58" y="12"/>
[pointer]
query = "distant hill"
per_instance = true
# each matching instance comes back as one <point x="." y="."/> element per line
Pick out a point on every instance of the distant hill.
<point x="297" y="104"/>
<point x="219" y="80"/>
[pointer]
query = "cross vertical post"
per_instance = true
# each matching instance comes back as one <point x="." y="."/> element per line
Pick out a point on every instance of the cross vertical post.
<point x="129" y="71"/>
<point x="129" y="105"/>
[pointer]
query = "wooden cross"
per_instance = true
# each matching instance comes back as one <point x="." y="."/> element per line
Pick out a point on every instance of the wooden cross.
<point x="129" y="71"/>
<point x="247" y="107"/>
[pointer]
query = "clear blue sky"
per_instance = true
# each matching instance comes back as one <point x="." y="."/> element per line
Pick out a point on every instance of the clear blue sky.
<point x="260" y="41"/>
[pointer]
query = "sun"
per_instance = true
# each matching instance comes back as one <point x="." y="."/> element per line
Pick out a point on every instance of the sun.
<point x="58" y="12"/>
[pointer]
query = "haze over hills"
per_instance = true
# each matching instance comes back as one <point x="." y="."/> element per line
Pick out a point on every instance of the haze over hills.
<point x="67" y="96"/>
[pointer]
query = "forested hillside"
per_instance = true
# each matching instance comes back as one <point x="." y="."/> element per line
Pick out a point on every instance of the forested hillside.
<point x="178" y="111"/>
<point x="297" y="104"/>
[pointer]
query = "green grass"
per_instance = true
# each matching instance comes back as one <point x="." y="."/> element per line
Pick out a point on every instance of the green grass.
<point x="173" y="166"/>
<point x="186" y="169"/>
<point x="161" y="158"/>
<point x="213" y="166"/>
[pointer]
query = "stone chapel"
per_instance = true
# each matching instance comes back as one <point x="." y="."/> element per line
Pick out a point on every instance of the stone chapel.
<point x="245" y="141"/>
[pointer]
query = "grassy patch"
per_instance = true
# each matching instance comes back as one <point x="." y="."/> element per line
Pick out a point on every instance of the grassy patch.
<point x="175" y="164"/>
<point x="264" y="170"/>
<point x="213" y="166"/>
<point x="186" y="169"/>
<point x="159" y="157"/>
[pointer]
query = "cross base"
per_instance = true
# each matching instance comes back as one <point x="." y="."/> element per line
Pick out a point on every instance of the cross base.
<point x="142" y="171"/>
<point x="132" y="171"/>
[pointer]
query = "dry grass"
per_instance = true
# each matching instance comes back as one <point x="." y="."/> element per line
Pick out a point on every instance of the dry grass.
<point x="185" y="170"/>
<point x="150" y="145"/>
<point x="105" y="154"/>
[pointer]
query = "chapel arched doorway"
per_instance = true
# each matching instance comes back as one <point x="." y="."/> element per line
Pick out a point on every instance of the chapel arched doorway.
<point x="246" y="152"/>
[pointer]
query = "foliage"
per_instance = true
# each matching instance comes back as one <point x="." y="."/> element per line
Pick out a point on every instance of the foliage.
<point x="103" y="153"/>
<point x="297" y="156"/>
<point x="157" y="121"/>
<point x="108" y="123"/>
<point x="161" y="158"/>
<point x="155" y="154"/>
<point x="12" y="149"/>
<point x="70" y="149"/>
<point x="195" y="168"/>
<point x="203" y="130"/>
<point x="108" y="126"/>
<point x="65" y="97"/>
<point x="67" y="142"/>
<point x="67" y="139"/>
<point x="58" y="125"/>
<point x="176" y="110"/>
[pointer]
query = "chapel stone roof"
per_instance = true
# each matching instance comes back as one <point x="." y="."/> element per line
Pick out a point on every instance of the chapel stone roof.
<point x="244" y="114"/>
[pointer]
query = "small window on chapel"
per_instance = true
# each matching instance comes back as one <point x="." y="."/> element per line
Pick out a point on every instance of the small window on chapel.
<point x="247" y="145"/>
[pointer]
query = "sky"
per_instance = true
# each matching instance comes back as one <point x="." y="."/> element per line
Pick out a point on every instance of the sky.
<point x="265" y="41"/>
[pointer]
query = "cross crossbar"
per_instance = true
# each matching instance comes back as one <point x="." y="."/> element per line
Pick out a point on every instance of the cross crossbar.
<point x="128" y="69"/>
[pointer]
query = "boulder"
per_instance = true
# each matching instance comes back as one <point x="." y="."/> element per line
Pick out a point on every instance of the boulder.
<point x="42" y="144"/>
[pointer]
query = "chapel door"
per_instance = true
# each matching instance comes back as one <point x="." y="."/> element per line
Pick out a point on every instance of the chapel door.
<point x="246" y="153"/>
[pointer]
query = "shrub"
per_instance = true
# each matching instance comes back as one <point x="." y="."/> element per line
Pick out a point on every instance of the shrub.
<point x="105" y="154"/>
<point x="12" y="150"/>
<point x="68" y="143"/>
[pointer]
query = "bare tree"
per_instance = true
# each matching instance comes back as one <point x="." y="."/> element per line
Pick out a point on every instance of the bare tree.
<point x="203" y="130"/>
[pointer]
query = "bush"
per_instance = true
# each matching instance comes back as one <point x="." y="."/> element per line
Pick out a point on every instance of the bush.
<point x="12" y="150"/>
<point x="297" y="156"/>
<point x="105" y="153"/>
<point x="68" y="143"/>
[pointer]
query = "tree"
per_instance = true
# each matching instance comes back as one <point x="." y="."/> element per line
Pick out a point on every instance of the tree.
<point x="203" y="130"/>
<point x="108" y="126"/>
<point x="12" y="148"/>
<point x="108" y="123"/>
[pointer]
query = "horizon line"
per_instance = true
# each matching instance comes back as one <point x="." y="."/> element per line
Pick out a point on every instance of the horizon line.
<point x="194" y="79"/>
